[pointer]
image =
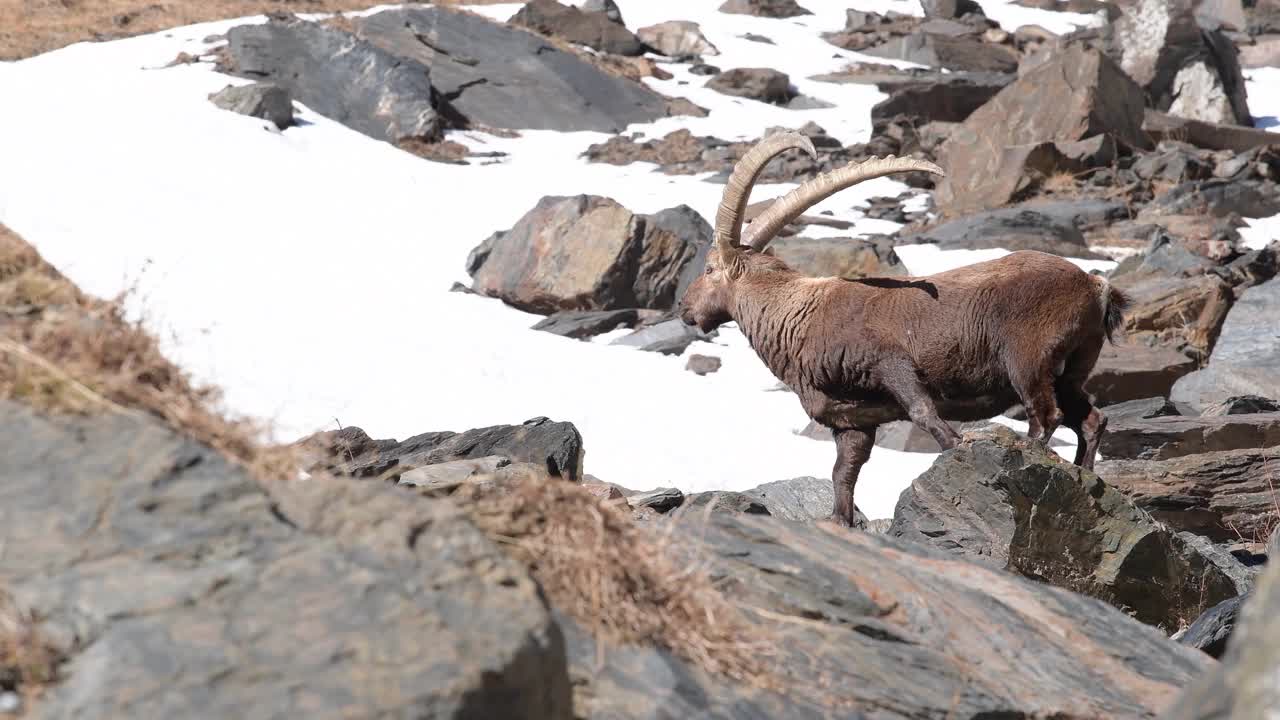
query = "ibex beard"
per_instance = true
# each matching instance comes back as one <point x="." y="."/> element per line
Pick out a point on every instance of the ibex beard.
<point x="961" y="345"/>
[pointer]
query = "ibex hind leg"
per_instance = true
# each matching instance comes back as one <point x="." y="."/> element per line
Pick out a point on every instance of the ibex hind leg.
<point x="853" y="447"/>
<point x="1035" y="387"/>
<point x="1079" y="412"/>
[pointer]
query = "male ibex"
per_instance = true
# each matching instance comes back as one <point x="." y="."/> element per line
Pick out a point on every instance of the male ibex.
<point x="966" y="344"/>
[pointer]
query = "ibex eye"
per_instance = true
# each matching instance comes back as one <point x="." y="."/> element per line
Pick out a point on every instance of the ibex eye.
<point x="708" y="270"/>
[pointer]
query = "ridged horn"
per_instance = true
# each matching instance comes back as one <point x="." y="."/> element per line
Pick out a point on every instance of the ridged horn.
<point x="733" y="204"/>
<point x="793" y="204"/>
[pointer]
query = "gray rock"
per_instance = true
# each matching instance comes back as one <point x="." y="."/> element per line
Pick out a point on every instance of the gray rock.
<point x="261" y="100"/>
<point x="1242" y="405"/>
<point x="571" y="24"/>
<point x="608" y="7"/>
<point x="589" y="253"/>
<point x="662" y="499"/>
<point x="1213" y="136"/>
<point x="1162" y="438"/>
<point x="962" y="53"/>
<point x="669" y="337"/>
<point x="843" y="257"/>
<point x="1130" y="371"/>
<point x="949" y="8"/>
<point x="498" y="76"/>
<point x="1246" y="357"/>
<point x="1006" y="503"/>
<point x="1019" y="228"/>
<point x="864" y="625"/>
<point x="583" y="324"/>
<point x="761" y="84"/>
<point x="723" y="501"/>
<point x="453" y="472"/>
<point x="352" y="81"/>
<point x="1221" y="494"/>
<point x="1273" y="544"/>
<point x="949" y="97"/>
<point x="764" y="8"/>
<point x="799" y="499"/>
<point x="1211" y="631"/>
<point x="555" y="446"/>
<point x="159" y="566"/>
<point x="677" y="39"/>
<point x="702" y="364"/>
<point x="1141" y="409"/>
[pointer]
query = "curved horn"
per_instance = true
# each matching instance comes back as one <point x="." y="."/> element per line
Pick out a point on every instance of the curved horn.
<point x="733" y="204"/>
<point x="790" y="206"/>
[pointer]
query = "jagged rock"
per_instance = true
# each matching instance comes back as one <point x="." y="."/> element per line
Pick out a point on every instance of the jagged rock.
<point x="159" y="566"/>
<point x="669" y="337"/>
<point x="1242" y="405"/>
<point x="499" y="76"/>
<point x="764" y="8"/>
<point x="583" y="324"/>
<point x="861" y="623"/>
<point x="677" y="39"/>
<point x="1186" y="70"/>
<point x="1019" y="228"/>
<point x="843" y="257"/>
<point x="1246" y="684"/>
<point x="702" y="364"/>
<point x="593" y="29"/>
<point x="555" y="446"/>
<point x="1004" y="502"/>
<point x="1078" y="94"/>
<point x="261" y="100"/>
<point x="1130" y="371"/>
<point x="1162" y="438"/>
<point x="760" y="84"/>
<point x="949" y="97"/>
<point x="589" y="253"/>
<point x="1246" y="358"/>
<point x="356" y="82"/>
<point x="1211" y="631"/>
<point x="951" y="53"/>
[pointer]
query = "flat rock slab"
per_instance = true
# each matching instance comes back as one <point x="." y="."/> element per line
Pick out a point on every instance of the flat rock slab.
<point x="1163" y="438"/>
<point x="1128" y="371"/>
<point x="1220" y="494"/>
<point x="1045" y="228"/>
<point x="1007" y="503"/>
<point x="181" y="589"/>
<point x="1246" y="358"/>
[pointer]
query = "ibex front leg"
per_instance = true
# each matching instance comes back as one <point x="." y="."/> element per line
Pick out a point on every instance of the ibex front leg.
<point x="853" y="447"/>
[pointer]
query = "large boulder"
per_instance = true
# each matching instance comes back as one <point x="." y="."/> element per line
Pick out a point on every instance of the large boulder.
<point x="1129" y="370"/>
<point x="178" y="587"/>
<point x="593" y="29"/>
<point x="1076" y="95"/>
<point x="1185" y="70"/>
<point x="1221" y="494"/>
<point x="860" y="624"/>
<point x="1246" y="358"/>
<point x="355" y="82"/>
<point x="1004" y="502"/>
<point x="554" y="446"/>
<point x="589" y="253"/>
<point x="498" y="76"/>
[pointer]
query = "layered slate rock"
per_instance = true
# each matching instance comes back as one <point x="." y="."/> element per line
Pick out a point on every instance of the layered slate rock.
<point x="1076" y="95"/>
<point x="1129" y="370"/>
<point x="944" y="97"/>
<point x="952" y="52"/>
<point x="1163" y="438"/>
<point x="493" y="75"/>
<point x="1186" y="70"/>
<point x="589" y="253"/>
<point x="1004" y="502"/>
<point x="1220" y="494"/>
<point x="179" y="588"/>
<point x="858" y="624"/>
<point x="1211" y="631"/>
<point x="357" y="83"/>
<point x="1246" y="358"/>
<point x="1049" y="228"/>
<point x="594" y="29"/>
<point x="1246" y="684"/>
<point x="554" y="446"/>
<point x="1213" y="136"/>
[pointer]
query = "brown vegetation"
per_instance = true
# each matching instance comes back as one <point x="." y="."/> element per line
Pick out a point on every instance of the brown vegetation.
<point x="31" y="27"/>
<point x="28" y="662"/>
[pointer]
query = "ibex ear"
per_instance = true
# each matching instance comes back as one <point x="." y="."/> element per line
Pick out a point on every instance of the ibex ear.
<point x="733" y="263"/>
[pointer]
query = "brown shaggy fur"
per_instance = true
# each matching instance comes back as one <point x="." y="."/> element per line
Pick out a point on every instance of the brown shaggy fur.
<point x="965" y="344"/>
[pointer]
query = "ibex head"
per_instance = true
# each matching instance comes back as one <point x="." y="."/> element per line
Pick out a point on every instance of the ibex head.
<point x="708" y="302"/>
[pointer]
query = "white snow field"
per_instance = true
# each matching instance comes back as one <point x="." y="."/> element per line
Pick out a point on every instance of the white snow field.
<point x="307" y="272"/>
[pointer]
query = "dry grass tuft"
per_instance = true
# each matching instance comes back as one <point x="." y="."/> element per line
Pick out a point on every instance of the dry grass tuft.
<point x="28" y="663"/>
<point x="31" y="27"/>
<point x="62" y="351"/>
<point x="617" y="578"/>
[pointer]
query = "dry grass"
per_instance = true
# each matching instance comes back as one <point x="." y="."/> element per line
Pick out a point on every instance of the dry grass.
<point x="28" y="662"/>
<point x="31" y="27"/>
<point x="617" y="578"/>
<point x="64" y="352"/>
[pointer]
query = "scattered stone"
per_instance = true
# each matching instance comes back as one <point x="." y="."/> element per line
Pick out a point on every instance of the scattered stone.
<point x="670" y="337"/>
<point x="589" y="253"/>
<point x="584" y="324"/>
<point x="1211" y="631"/>
<point x="752" y="37"/>
<point x="761" y="84"/>
<point x="703" y="69"/>
<point x="1246" y="357"/>
<point x="593" y="29"/>
<point x="261" y="100"/>
<point x="1078" y="94"/>
<point x="1005" y="502"/>
<point x="764" y="8"/>
<point x="663" y="499"/>
<point x="677" y="39"/>
<point x="702" y="364"/>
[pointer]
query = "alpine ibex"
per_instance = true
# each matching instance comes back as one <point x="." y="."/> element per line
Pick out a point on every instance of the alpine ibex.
<point x="966" y="344"/>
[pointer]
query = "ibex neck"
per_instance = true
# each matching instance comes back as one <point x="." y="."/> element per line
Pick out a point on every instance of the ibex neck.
<point x="775" y="317"/>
